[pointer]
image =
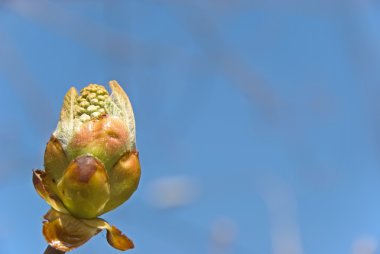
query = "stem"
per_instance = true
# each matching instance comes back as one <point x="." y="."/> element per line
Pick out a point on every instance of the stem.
<point x="51" y="250"/>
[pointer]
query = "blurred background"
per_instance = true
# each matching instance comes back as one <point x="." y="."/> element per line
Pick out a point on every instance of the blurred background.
<point x="258" y="122"/>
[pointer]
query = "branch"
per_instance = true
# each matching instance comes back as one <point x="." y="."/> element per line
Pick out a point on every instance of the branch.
<point x="51" y="250"/>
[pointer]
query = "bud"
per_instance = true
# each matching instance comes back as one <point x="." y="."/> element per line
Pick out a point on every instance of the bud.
<point x="91" y="166"/>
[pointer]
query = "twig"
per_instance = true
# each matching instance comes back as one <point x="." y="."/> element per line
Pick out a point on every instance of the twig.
<point x="51" y="250"/>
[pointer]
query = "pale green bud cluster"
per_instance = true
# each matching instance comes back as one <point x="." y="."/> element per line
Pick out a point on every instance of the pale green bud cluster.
<point x="91" y="102"/>
<point x="91" y="167"/>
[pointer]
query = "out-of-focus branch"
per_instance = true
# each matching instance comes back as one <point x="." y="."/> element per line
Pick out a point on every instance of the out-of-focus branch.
<point x="51" y="250"/>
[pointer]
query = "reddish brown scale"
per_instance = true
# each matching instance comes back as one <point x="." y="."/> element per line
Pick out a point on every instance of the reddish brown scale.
<point x="85" y="167"/>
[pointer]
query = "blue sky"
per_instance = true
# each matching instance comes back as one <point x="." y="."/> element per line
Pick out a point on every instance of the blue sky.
<point x="270" y="112"/>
